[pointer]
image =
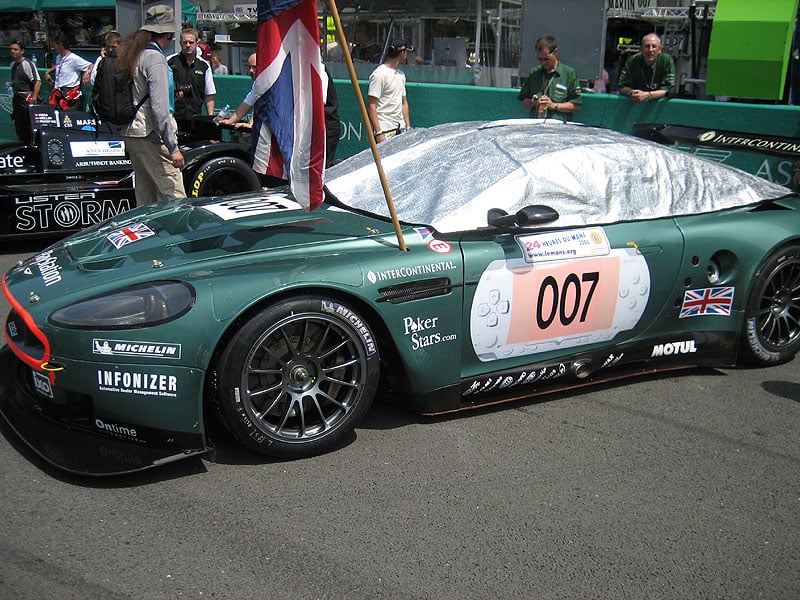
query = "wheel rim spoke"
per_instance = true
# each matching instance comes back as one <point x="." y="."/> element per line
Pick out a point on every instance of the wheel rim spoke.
<point x="340" y="381"/>
<point x="333" y="350"/>
<point x="289" y="344"/>
<point x="285" y="418"/>
<point x="269" y="408"/>
<point x="320" y="412"/>
<point x="334" y="401"/>
<point x="267" y="390"/>
<point x="343" y="365"/>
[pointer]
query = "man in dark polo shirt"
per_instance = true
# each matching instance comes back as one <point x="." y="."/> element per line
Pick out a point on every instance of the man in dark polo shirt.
<point x="552" y="89"/>
<point x="194" y="82"/>
<point x="648" y="74"/>
<point x="26" y="84"/>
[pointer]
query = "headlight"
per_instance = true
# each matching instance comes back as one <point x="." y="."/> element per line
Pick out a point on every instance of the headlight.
<point x="141" y="305"/>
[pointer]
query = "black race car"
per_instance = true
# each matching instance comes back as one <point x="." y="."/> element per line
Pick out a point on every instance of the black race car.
<point x="74" y="173"/>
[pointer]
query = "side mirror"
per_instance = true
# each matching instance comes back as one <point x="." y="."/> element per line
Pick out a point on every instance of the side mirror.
<point x="536" y="214"/>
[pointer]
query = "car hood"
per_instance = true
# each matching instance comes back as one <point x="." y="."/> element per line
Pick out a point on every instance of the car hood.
<point x="186" y="236"/>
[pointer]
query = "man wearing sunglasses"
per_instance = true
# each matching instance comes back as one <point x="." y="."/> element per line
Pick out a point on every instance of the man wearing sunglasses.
<point x="552" y="89"/>
<point x="648" y="74"/>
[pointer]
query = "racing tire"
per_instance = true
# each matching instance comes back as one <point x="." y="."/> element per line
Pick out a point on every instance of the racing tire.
<point x="297" y="377"/>
<point x="222" y="175"/>
<point x="772" y="315"/>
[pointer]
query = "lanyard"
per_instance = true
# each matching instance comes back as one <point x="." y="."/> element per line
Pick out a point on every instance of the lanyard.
<point x="549" y="78"/>
<point x="652" y="85"/>
<point x="59" y="64"/>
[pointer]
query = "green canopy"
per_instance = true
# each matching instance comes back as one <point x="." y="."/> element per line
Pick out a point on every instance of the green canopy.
<point x="189" y="12"/>
<point x="71" y="4"/>
<point x="19" y="5"/>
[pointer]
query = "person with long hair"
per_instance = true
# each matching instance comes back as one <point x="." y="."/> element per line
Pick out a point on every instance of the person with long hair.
<point x="151" y="139"/>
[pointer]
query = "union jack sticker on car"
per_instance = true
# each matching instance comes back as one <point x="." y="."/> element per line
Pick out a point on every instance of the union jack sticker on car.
<point x="126" y="235"/>
<point x="707" y="301"/>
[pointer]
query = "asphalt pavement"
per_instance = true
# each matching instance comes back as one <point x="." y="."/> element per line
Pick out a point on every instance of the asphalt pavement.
<point x="680" y="486"/>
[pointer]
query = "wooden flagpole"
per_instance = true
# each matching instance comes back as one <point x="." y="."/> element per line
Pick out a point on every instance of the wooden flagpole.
<point x="365" y="117"/>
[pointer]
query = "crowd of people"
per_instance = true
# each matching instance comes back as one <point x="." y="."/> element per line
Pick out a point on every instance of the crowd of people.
<point x="551" y="90"/>
<point x="178" y="88"/>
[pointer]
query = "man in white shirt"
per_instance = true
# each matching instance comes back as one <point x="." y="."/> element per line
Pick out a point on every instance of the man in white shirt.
<point x="219" y="68"/>
<point x="387" y="103"/>
<point x="67" y="75"/>
<point x="249" y="99"/>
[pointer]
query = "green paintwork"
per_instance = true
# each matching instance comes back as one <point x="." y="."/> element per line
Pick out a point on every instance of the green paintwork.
<point x="243" y="254"/>
<point x="235" y="268"/>
<point x="748" y="56"/>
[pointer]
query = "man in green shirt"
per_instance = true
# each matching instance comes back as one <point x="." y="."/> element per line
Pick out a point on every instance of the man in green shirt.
<point x="552" y="89"/>
<point x="648" y="74"/>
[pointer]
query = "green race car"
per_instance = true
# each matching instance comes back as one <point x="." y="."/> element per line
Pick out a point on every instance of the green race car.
<point x="537" y="257"/>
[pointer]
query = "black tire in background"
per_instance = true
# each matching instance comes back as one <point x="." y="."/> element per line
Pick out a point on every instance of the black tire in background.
<point x="772" y="314"/>
<point x="220" y="176"/>
<point x="297" y="377"/>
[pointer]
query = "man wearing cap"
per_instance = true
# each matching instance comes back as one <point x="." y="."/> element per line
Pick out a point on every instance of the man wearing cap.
<point x="387" y="103"/>
<point x="151" y="139"/>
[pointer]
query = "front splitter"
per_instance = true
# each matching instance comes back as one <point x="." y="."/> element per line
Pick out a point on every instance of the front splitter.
<point x="68" y="448"/>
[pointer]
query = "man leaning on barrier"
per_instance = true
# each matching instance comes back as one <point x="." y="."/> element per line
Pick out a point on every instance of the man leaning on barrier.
<point x="648" y="74"/>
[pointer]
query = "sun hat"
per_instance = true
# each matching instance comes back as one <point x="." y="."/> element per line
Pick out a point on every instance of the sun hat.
<point x="159" y="19"/>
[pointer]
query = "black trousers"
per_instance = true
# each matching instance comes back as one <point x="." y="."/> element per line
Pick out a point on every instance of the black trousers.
<point x="19" y="114"/>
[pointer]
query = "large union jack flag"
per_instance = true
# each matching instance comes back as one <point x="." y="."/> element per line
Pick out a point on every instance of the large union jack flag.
<point x="290" y="87"/>
<point x="707" y="301"/>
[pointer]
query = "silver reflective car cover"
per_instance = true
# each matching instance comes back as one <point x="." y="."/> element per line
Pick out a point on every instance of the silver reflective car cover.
<point x="448" y="176"/>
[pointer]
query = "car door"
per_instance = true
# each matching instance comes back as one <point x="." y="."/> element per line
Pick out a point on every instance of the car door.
<point x="541" y="295"/>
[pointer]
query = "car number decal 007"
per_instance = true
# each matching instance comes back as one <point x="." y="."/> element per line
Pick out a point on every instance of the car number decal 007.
<point x="521" y="308"/>
<point x="249" y="207"/>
